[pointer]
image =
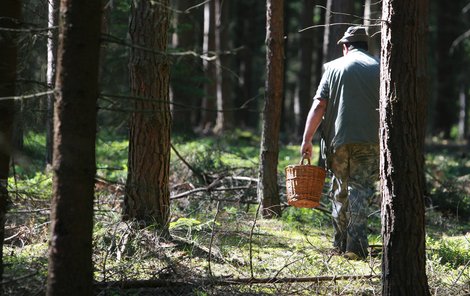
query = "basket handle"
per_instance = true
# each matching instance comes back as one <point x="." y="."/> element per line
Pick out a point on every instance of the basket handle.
<point x="305" y="157"/>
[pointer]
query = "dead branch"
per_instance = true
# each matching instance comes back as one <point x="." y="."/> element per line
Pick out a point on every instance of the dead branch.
<point x="158" y="283"/>
<point x="212" y="238"/>
<point x="192" y="191"/>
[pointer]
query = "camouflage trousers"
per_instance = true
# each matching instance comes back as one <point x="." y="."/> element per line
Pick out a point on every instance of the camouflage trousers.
<point x="355" y="172"/>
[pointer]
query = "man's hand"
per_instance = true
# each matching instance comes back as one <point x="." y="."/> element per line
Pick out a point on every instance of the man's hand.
<point x="306" y="149"/>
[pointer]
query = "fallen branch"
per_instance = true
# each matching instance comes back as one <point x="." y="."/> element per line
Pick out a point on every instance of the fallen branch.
<point x="158" y="283"/>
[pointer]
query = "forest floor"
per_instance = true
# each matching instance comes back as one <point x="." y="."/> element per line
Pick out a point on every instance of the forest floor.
<point x="219" y="244"/>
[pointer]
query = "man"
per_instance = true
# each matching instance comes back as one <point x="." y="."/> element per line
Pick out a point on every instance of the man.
<point x="346" y="103"/>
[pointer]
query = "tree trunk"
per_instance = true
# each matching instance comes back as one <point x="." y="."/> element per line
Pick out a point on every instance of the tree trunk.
<point x="449" y="27"/>
<point x="339" y="16"/>
<point x="53" y="20"/>
<point x="249" y="24"/>
<point x="372" y="12"/>
<point x="402" y="129"/>
<point x="10" y="12"/>
<point x="70" y="264"/>
<point x="225" y="120"/>
<point x="185" y="82"/>
<point x="268" y="191"/>
<point x="147" y="196"/>
<point x="304" y="98"/>
<point x="210" y="71"/>
<point x="463" y="113"/>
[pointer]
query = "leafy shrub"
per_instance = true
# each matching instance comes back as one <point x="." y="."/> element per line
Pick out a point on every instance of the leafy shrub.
<point x="452" y="251"/>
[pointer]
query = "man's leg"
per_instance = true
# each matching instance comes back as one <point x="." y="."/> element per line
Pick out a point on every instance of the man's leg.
<point x="363" y="175"/>
<point x="338" y="164"/>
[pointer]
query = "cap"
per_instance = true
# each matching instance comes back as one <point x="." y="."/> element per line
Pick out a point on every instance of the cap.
<point x="354" y="34"/>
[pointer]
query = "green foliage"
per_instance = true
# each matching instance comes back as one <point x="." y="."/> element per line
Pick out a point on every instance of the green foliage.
<point x="111" y="159"/>
<point x="452" y="251"/>
<point x="39" y="186"/>
<point x="448" y="176"/>
<point x="298" y="217"/>
<point x="189" y="224"/>
<point x="295" y="245"/>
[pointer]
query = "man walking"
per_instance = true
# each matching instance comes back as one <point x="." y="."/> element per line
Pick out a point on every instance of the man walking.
<point x="346" y="104"/>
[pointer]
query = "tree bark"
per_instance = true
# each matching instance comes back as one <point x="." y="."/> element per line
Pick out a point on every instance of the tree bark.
<point x="372" y="11"/>
<point x="187" y="70"/>
<point x="225" y="119"/>
<point x="268" y="190"/>
<point x="449" y="27"/>
<point x="402" y="129"/>
<point x="10" y="12"/>
<point x="70" y="264"/>
<point x="53" y="20"/>
<point x="304" y="98"/>
<point x="147" y="187"/>
<point x="210" y="72"/>
<point x="339" y="16"/>
<point x="249" y="23"/>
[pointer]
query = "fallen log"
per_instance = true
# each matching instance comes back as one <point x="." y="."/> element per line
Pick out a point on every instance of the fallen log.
<point x="159" y="283"/>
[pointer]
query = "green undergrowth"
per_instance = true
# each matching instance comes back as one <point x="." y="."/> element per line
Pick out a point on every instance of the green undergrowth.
<point x="219" y="235"/>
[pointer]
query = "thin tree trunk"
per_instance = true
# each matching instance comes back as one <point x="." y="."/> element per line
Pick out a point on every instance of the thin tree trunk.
<point x="53" y="20"/>
<point x="402" y="129"/>
<point x="448" y="28"/>
<point x="147" y="196"/>
<point x="225" y="120"/>
<point x="210" y="72"/>
<point x="463" y="113"/>
<point x="372" y="12"/>
<point x="339" y="16"/>
<point x="304" y="98"/>
<point x="247" y="13"/>
<point x="70" y="269"/>
<point x="10" y="12"/>
<point x="185" y="83"/>
<point x="268" y="190"/>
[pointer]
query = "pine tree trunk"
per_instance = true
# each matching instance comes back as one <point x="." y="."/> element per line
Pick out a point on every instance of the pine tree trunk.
<point x="463" y="113"/>
<point x="147" y="196"/>
<point x="247" y="13"/>
<point x="339" y="16"/>
<point x="210" y="72"/>
<point x="449" y="27"/>
<point x="53" y="10"/>
<point x="402" y="130"/>
<point x="225" y="120"/>
<point x="185" y="82"/>
<point x="304" y="98"/>
<point x="372" y="12"/>
<point x="268" y="190"/>
<point x="70" y="263"/>
<point x="10" y="12"/>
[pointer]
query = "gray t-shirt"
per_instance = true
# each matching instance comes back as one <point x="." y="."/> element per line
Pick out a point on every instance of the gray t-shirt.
<point x="351" y="86"/>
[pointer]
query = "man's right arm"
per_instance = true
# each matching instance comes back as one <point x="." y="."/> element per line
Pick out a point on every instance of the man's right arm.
<point x="312" y="123"/>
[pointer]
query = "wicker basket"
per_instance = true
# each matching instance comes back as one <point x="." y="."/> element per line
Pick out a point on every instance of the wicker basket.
<point x="304" y="184"/>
